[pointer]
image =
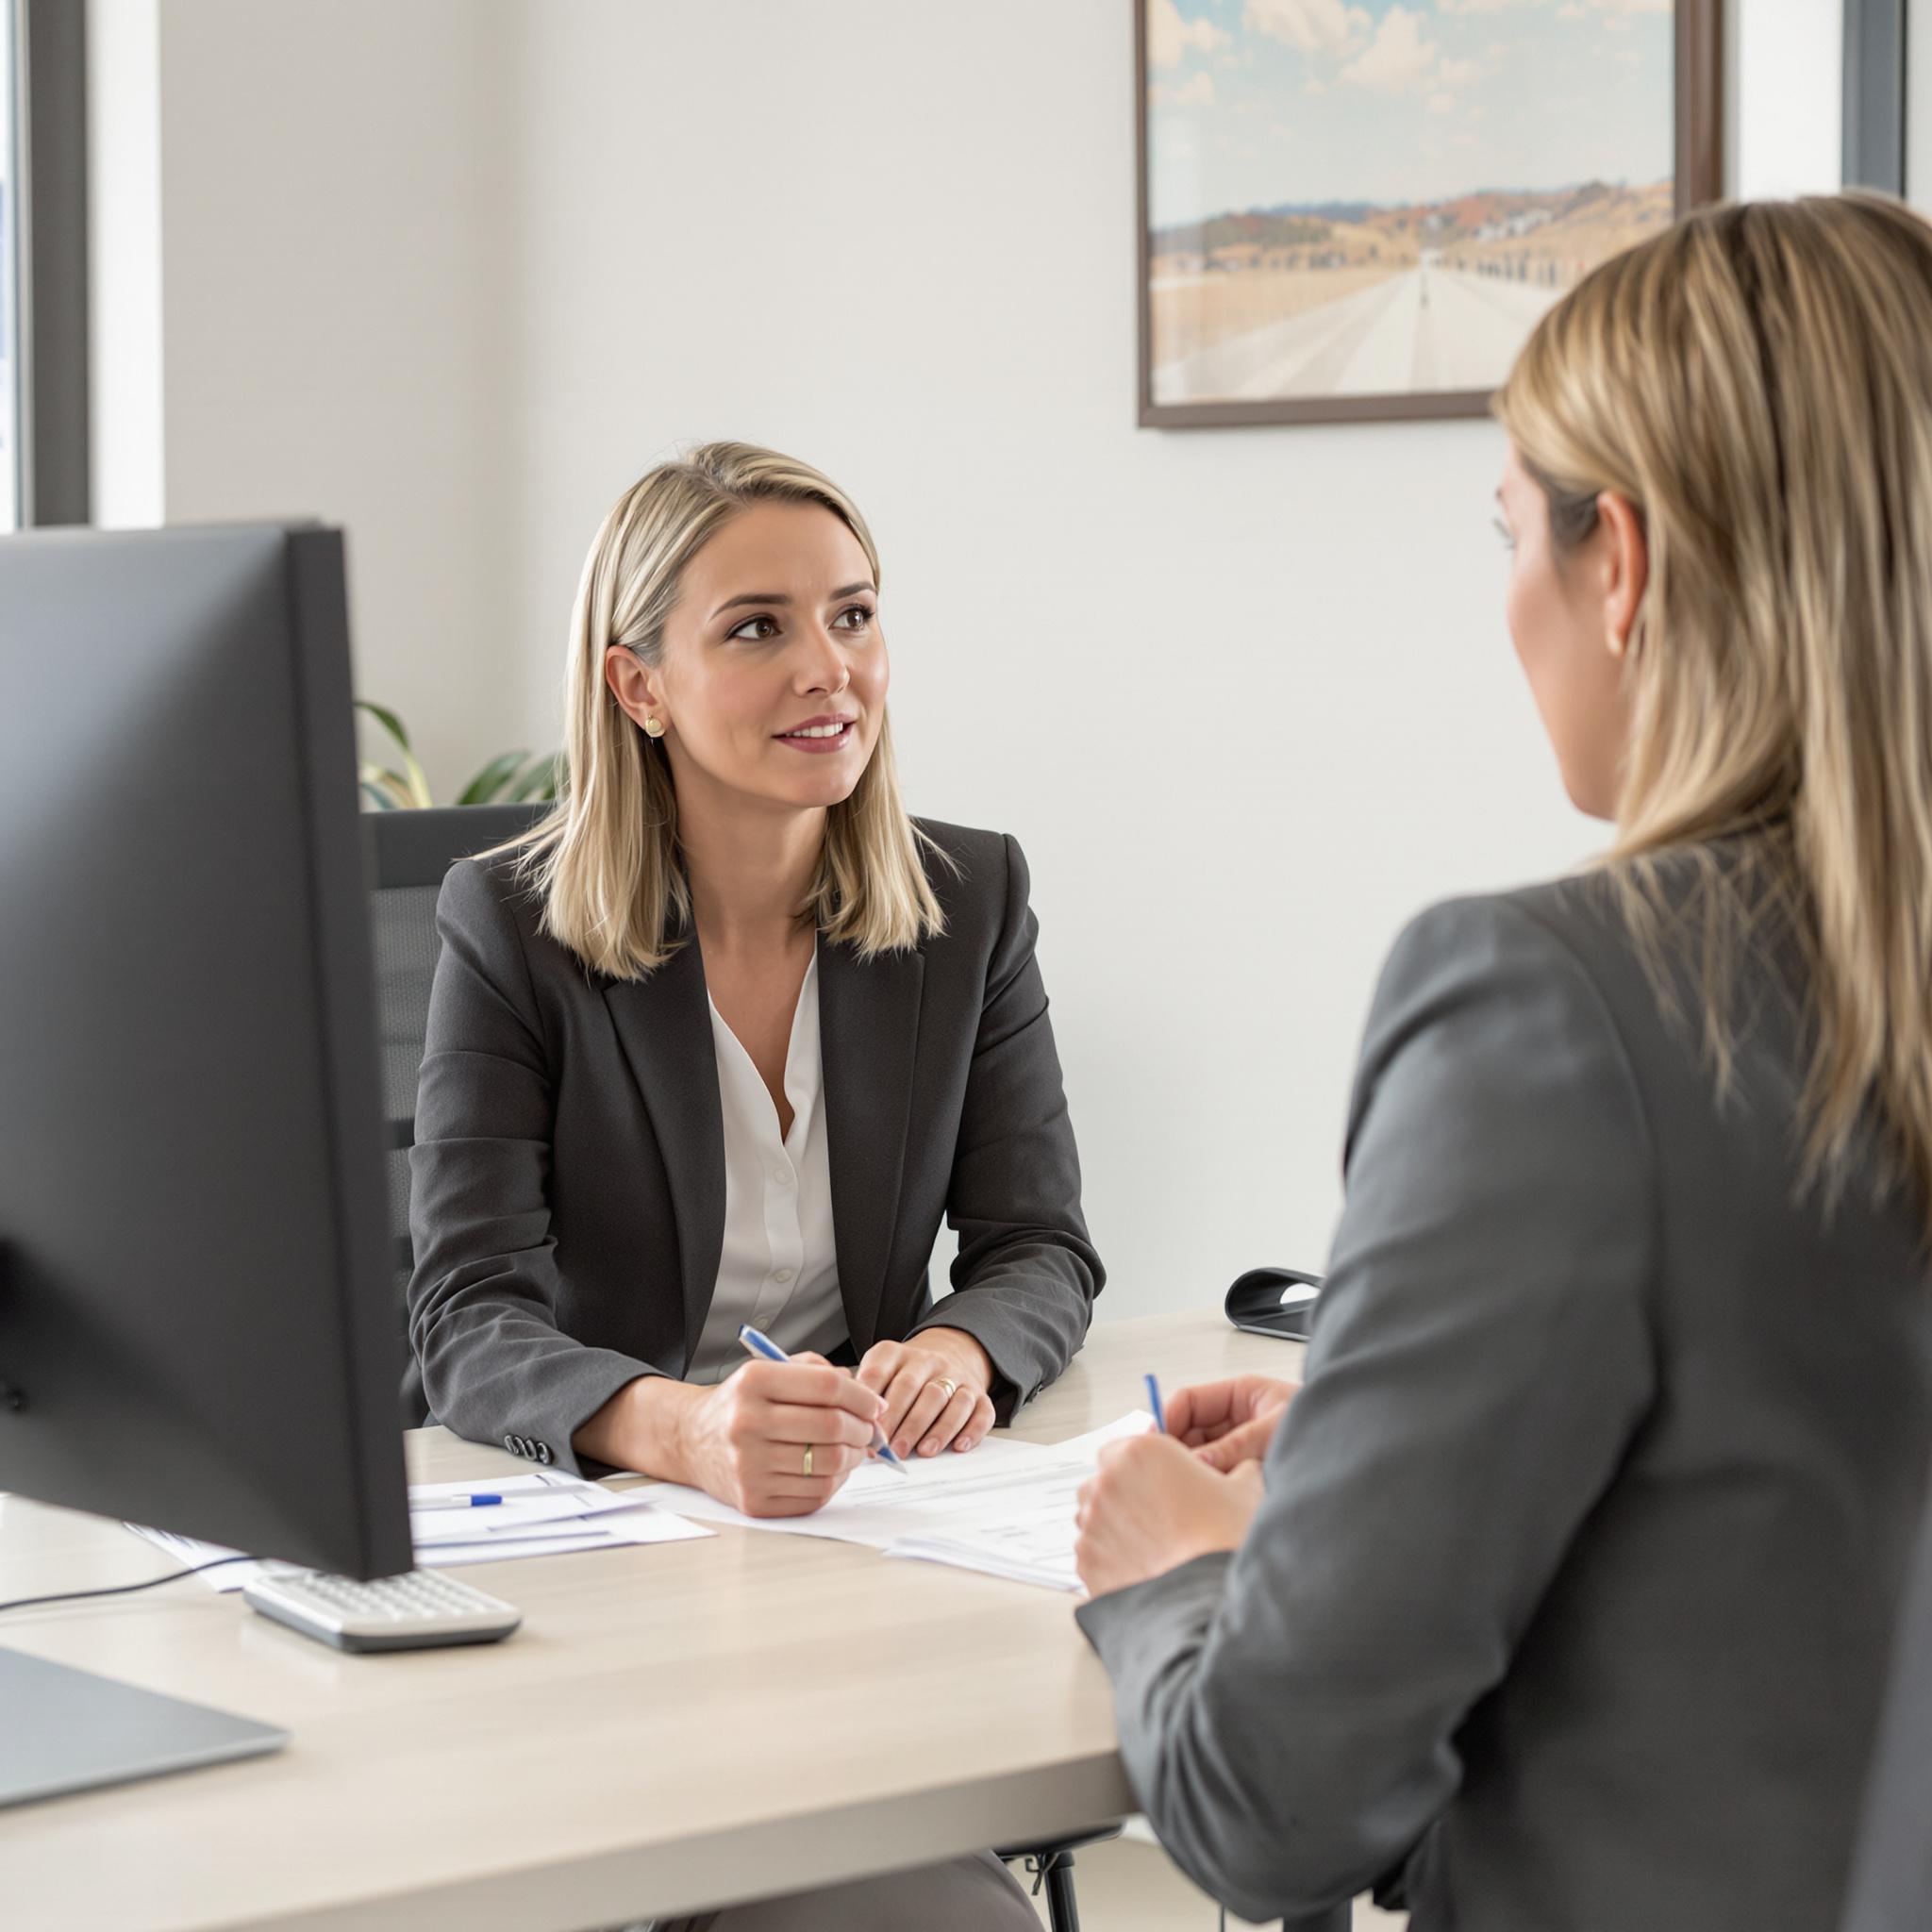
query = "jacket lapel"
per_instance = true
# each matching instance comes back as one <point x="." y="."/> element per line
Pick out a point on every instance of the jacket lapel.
<point x="868" y="1041"/>
<point x="664" y="1027"/>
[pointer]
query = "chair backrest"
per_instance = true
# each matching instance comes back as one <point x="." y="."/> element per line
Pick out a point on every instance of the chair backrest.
<point x="408" y="854"/>
<point x="1891" y="1873"/>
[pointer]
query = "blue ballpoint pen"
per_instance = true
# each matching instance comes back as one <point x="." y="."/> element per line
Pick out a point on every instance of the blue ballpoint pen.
<point x="764" y="1345"/>
<point x="455" y="1502"/>
<point x="1154" y="1403"/>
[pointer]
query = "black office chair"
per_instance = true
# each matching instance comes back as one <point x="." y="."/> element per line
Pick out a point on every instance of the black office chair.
<point x="1051" y="1864"/>
<point x="410" y="852"/>
<point x="1891" y="1872"/>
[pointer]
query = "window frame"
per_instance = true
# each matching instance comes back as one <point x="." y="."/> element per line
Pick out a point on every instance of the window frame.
<point x="13" y="399"/>
<point x="50" y="245"/>
<point x="1874" y="95"/>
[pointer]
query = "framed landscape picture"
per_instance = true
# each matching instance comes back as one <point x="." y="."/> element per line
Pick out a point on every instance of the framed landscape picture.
<point x="1359" y="209"/>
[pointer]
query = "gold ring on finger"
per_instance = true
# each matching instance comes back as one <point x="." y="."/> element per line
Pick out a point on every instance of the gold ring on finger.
<point x="807" y="1459"/>
<point x="947" y="1383"/>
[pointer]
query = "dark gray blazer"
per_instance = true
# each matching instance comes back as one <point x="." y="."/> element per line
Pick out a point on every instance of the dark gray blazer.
<point x="568" y="1195"/>
<point x="1571" y="1601"/>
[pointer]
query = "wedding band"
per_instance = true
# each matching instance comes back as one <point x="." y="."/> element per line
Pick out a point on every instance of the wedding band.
<point x="946" y="1383"/>
<point x="807" y="1459"/>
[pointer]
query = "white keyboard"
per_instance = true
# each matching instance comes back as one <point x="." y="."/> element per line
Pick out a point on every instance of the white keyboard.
<point x="413" y="1611"/>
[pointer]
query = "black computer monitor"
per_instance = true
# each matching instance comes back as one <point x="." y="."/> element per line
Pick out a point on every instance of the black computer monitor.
<point x="197" y="1319"/>
<point x="197" y="1329"/>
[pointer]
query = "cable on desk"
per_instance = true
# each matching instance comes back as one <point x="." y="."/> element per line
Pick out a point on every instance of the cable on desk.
<point x="69" y="1596"/>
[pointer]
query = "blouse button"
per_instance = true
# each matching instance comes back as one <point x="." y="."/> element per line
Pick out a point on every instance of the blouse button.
<point x="782" y="1274"/>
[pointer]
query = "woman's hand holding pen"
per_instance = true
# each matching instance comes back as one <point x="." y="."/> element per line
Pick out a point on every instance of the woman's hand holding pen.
<point x="934" y="1388"/>
<point x="1192" y="1486"/>
<point x="1153" y="1505"/>
<point x="1227" y="1423"/>
<point x="775" y="1438"/>
<point x="779" y="1438"/>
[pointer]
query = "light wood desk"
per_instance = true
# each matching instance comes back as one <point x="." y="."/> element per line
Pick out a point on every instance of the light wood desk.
<point x="674" y="1726"/>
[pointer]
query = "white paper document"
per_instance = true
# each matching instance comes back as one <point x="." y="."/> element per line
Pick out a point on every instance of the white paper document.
<point x="544" y="1514"/>
<point x="1006" y="1508"/>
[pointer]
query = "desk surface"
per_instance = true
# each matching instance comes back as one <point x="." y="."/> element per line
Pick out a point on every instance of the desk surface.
<point x="673" y="1726"/>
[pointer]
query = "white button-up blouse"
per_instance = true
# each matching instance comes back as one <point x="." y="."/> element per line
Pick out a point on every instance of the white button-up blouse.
<point x="778" y="1269"/>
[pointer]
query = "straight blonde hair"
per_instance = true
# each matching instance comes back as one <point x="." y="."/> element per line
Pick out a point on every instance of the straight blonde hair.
<point x="1758" y="382"/>
<point x="606" y="862"/>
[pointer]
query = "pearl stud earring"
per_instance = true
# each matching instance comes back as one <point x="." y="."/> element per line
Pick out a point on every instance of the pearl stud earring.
<point x="653" y="728"/>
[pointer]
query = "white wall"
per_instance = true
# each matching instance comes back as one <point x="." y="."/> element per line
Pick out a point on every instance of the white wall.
<point x="456" y="272"/>
<point x="335" y="308"/>
<point x="1919" y="104"/>
<point x="1787" y="59"/>
<point x="124" y="352"/>
<point x="1245" y="697"/>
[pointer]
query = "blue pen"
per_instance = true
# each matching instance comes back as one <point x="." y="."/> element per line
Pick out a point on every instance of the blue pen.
<point x="1154" y="1403"/>
<point x="764" y="1345"/>
<point x="455" y="1502"/>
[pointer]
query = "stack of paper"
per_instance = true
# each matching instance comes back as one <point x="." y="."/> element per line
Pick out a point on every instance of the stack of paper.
<point x="1030" y="1537"/>
<point x="546" y="1514"/>
<point x="1006" y="1508"/>
<point x="1030" y="1546"/>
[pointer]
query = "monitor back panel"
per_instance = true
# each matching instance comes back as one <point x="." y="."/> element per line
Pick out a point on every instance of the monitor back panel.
<point x="196" y="1322"/>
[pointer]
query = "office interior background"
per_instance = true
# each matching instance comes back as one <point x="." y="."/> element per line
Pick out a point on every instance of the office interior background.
<point x="452" y="274"/>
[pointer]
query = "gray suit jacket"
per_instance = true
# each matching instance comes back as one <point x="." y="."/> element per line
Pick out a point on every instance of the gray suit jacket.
<point x="1570" y="1604"/>
<point x="568" y="1176"/>
<point x="1891" y="1876"/>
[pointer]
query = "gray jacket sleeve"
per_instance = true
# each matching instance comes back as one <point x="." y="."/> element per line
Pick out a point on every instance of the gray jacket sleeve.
<point x="1026" y="1273"/>
<point x="483" y="1299"/>
<point x="1482" y="1355"/>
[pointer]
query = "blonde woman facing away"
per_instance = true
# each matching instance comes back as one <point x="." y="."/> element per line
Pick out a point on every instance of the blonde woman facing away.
<point x="721" y="1043"/>
<point x="1564" y="1598"/>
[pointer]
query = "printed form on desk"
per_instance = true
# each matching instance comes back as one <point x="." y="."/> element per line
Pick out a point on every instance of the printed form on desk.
<point x="1006" y="1508"/>
<point x="544" y="1514"/>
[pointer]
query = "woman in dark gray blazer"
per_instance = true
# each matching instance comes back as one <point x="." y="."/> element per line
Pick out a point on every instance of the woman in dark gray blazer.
<point x="1564" y="1596"/>
<point x="721" y="1043"/>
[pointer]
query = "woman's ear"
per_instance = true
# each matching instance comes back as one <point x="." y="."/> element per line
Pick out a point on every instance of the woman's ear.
<point x="1625" y="567"/>
<point x="634" y="687"/>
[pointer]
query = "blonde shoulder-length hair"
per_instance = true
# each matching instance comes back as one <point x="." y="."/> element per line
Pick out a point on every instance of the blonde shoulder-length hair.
<point x="606" y="862"/>
<point x="1758" y="382"/>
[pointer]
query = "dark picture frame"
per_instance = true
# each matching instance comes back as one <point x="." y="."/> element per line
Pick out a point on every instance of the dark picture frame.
<point x="1697" y="177"/>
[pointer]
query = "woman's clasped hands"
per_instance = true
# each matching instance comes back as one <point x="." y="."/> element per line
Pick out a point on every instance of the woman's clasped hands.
<point x="934" y="1387"/>
<point x="1158" y="1501"/>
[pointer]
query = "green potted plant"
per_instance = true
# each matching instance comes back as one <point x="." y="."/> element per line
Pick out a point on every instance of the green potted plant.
<point x="512" y="777"/>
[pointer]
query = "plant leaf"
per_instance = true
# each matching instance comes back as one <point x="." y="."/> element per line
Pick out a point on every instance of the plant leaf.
<point x="414" y="788"/>
<point x="540" y="782"/>
<point x="378" y="799"/>
<point x="488" y="785"/>
<point x="418" y="783"/>
<point x="387" y="718"/>
<point x="383" y="785"/>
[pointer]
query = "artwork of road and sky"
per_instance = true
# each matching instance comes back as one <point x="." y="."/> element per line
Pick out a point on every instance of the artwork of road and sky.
<point x="1380" y="198"/>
